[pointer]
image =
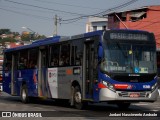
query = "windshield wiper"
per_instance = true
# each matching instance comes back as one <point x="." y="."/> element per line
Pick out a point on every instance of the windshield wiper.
<point x="120" y="48"/>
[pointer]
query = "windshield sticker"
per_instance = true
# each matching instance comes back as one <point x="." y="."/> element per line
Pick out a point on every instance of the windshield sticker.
<point x="115" y="68"/>
<point x="143" y="70"/>
<point x="130" y="52"/>
<point x="136" y="70"/>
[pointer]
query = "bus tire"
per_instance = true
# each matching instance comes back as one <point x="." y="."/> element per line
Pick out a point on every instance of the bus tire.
<point x="78" y="98"/>
<point x="24" y="94"/>
<point x="123" y="105"/>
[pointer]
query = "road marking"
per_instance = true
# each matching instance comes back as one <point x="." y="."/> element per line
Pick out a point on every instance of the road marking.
<point x="140" y="104"/>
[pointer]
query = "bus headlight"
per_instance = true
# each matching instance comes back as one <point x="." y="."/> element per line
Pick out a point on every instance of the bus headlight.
<point x="154" y="87"/>
<point x="108" y="85"/>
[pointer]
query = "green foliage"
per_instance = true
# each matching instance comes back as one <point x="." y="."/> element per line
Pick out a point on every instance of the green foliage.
<point x="24" y="37"/>
<point x="5" y="31"/>
<point x="41" y="37"/>
<point x="7" y="40"/>
<point x="29" y="37"/>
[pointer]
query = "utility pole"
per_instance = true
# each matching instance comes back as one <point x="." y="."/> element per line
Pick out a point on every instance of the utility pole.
<point x="56" y="26"/>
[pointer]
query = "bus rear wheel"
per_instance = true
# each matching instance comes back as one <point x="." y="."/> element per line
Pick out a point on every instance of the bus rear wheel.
<point x="78" y="99"/>
<point x="24" y="94"/>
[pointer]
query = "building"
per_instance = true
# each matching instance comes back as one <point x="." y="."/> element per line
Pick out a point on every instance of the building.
<point x="96" y="23"/>
<point x="7" y="36"/>
<point x="13" y="45"/>
<point x="144" y="18"/>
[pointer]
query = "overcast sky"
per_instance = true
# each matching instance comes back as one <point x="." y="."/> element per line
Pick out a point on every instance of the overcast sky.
<point x="38" y="15"/>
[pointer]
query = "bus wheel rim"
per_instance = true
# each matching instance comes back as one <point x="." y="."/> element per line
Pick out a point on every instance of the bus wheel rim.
<point x="78" y="97"/>
<point x="23" y="95"/>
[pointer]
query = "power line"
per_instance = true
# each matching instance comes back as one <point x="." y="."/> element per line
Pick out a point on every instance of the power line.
<point x="31" y="15"/>
<point x="117" y="7"/>
<point x="101" y="14"/>
<point x="78" y="14"/>
<point x="27" y="9"/>
<point x="26" y="14"/>
<point x="81" y="15"/>
<point x="51" y="2"/>
<point x="35" y="10"/>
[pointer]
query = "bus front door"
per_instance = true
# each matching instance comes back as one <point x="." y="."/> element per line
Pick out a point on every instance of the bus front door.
<point x="89" y="60"/>
<point x="14" y="75"/>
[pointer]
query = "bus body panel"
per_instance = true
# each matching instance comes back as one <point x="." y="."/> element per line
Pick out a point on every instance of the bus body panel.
<point x="60" y="80"/>
<point x="7" y="82"/>
<point x="56" y="82"/>
<point x="27" y="77"/>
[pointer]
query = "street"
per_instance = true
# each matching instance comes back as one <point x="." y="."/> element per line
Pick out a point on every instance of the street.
<point x="49" y="109"/>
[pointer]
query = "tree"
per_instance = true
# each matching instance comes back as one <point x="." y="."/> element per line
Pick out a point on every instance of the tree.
<point x="25" y="37"/>
<point x="2" y="41"/>
<point x="5" y="31"/>
<point x="28" y="37"/>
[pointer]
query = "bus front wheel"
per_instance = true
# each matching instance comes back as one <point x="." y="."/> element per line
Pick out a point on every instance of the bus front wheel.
<point x="24" y="94"/>
<point x="77" y="98"/>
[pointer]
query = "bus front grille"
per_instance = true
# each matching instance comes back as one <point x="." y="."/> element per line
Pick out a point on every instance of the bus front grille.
<point x="133" y="94"/>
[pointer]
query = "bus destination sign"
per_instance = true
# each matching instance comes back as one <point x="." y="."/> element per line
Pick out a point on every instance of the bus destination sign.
<point x="128" y="36"/>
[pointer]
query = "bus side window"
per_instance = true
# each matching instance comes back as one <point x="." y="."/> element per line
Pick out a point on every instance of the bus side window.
<point x="77" y="52"/>
<point x="8" y="62"/>
<point x="78" y="59"/>
<point x="23" y="59"/>
<point x="54" y="55"/>
<point x="65" y="55"/>
<point x="22" y="63"/>
<point x="33" y="55"/>
<point x="8" y="66"/>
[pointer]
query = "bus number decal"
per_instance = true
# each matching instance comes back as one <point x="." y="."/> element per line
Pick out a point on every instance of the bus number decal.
<point x="147" y="86"/>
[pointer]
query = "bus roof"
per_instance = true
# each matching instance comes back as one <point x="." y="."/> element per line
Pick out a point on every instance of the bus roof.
<point x="57" y="39"/>
<point x="54" y="39"/>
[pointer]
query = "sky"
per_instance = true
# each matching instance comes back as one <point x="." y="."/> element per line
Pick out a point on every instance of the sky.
<point x="38" y="15"/>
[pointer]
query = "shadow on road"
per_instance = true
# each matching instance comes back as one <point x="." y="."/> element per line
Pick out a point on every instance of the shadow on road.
<point x="98" y="107"/>
<point x="61" y="108"/>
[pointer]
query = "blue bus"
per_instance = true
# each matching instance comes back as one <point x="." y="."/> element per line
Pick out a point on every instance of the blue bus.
<point x="114" y="66"/>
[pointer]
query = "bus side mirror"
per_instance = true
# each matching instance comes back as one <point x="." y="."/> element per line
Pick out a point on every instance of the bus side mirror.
<point x="100" y="52"/>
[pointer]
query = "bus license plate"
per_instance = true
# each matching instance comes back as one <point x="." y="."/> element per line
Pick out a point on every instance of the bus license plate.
<point x="134" y="95"/>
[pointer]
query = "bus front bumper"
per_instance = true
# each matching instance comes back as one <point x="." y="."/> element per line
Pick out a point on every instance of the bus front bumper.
<point x="108" y="95"/>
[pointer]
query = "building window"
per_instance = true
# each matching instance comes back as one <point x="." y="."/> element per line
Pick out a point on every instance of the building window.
<point x="138" y="15"/>
<point x="104" y="28"/>
<point x="94" y="28"/>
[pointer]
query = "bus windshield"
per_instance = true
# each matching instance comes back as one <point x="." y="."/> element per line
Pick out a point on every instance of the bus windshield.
<point x="129" y="58"/>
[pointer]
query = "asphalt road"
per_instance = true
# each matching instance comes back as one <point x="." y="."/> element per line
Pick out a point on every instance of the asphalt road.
<point x="49" y="109"/>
